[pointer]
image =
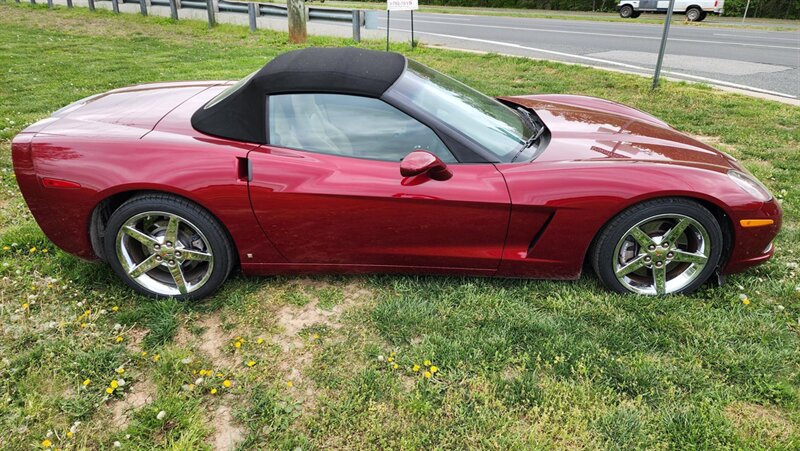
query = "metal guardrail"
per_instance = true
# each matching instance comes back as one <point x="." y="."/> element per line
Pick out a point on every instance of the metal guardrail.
<point x="252" y="9"/>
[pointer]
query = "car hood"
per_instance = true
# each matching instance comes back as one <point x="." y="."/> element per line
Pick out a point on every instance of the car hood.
<point x="595" y="130"/>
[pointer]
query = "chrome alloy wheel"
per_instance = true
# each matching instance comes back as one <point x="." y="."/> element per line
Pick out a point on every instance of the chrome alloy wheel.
<point x="164" y="253"/>
<point x="662" y="254"/>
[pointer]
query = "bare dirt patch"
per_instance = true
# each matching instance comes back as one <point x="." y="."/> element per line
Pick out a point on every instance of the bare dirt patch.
<point x="141" y="394"/>
<point x="296" y="351"/>
<point x="135" y="337"/>
<point x="210" y="342"/>
<point x="228" y="433"/>
<point x="751" y="420"/>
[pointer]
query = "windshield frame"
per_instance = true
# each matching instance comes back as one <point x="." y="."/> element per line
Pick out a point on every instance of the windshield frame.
<point x="403" y="92"/>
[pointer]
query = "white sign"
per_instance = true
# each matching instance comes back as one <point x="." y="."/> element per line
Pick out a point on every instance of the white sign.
<point x="402" y="5"/>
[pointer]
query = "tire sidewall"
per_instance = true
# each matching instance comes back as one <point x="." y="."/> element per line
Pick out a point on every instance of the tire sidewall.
<point x="217" y="240"/>
<point x="693" y="11"/>
<point x="628" y="11"/>
<point x="603" y="257"/>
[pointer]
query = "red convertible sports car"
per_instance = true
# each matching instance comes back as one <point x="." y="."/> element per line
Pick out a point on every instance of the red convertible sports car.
<point x="350" y="160"/>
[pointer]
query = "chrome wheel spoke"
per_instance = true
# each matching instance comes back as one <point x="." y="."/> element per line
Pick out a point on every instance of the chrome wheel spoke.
<point x="177" y="276"/>
<point x="676" y="231"/>
<point x="171" y="233"/>
<point x="633" y="265"/>
<point x="642" y="238"/>
<point x="141" y="237"/>
<point x="660" y="279"/>
<point x="688" y="257"/>
<point x="192" y="255"/>
<point x="146" y="265"/>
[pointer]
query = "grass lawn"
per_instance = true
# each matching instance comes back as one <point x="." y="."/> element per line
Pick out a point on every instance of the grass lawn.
<point x="329" y="362"/>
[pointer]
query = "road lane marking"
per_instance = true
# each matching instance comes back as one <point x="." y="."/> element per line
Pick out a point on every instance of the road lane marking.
<point x="613" y="35"/>
<point x="797" y="39"/>
<point x="604" y="61"/>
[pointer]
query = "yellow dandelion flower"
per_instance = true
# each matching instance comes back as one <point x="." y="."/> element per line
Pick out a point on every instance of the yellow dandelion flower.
<point x="390" y="359"/>
<point x="87" y="382"/>
<point x="427" y="362"/>
<point x="202" y="372"/>
<point x="115" y="308"/>
<point x="119" y="339"/>
<point x="83" y="325"/>
<point x="109" y="390"/>
<point x="44" y="250"/>
<point x="120" y="370"/>
<point x="315" y="337"/>
<point x="144" y="353"/>
<point x="5" y="248"/>
<point x="427" y="374"/>
<point x="260" y="340"/>
<point x="213" y="391"/>
<point x="156" y="358"/>
<point x="237" y="345"/>
<point x="289" y="384"/>
<point x="746" y="301"/>
<point x="32" y="250"/>
<point x="114" y="384"/>
<point x="70" y="434"/>
<point x="46" y="443"/>
<point x="415" y="368"/>
<point x="251" y="363"/>
<point x="220" y="375"/>
<point x="395" y="366"/>
<point x="25" y="306"/>
<point x="434" y="369"/>
<point x="226" y="383"/>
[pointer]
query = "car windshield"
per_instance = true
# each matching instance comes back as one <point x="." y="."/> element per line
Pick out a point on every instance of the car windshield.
<point x="484" y="120"/>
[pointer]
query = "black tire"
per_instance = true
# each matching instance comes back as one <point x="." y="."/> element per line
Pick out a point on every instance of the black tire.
<point x="635" y="15"/>
<point x="702" y="16"/>
<point x="603" y="253"/>
<point x="694" y="14"/>
<point x="626" y="11"/>
<point x="217" y="242"/>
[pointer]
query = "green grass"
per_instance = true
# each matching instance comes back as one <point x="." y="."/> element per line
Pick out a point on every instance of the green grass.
<point x="522" y="364"/>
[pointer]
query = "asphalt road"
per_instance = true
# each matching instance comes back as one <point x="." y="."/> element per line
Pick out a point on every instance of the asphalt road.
<point x="751" y="59"/>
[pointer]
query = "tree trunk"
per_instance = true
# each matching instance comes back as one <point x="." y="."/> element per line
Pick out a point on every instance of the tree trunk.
<point x="297" y="20"/>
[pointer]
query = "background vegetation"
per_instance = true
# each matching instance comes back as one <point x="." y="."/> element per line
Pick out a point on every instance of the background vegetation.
<point x="329" y="362"/>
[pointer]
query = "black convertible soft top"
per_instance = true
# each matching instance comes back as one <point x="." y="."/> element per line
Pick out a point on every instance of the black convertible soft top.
<point x="242" y="114"/>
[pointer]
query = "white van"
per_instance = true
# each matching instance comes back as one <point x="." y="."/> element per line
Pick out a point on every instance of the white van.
<point x="695" y="10"/>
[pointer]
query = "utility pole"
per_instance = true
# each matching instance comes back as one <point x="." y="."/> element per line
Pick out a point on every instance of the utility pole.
<point x="661" y="51"/>
<point x="745" y="11"/>
<point x="296" y="10"/>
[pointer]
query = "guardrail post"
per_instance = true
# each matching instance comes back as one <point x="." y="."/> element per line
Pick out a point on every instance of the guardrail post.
<point x="211" y="6"/>
<point x="143" y="7"/>
<point x="252" y="12"/>
<point x="115" y="6"/>
<point x="173" y="9"/>
<point x="49" y="3"/>
<point x="357" y="25"/>
<point x="91" y="5"/>
<point x="69" y="3"/>
<point x="33" y="2"/>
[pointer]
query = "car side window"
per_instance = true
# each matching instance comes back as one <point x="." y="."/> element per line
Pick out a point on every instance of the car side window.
<point x="351" y="126"/>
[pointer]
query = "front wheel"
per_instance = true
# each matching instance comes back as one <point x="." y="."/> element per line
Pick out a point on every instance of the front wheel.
<point x="162" y="245"/>
<point x="659" y="247"/>
<point x="626" y="11"/>
<point x="694" y="14"/>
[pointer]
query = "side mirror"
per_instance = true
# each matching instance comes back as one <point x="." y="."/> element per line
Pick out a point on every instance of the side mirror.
<point x="423" y="162"/>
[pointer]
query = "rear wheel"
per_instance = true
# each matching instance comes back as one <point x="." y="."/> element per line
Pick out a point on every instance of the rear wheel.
<point x="694" y="14"/>
<point x="626" y="11"/>
<point x="163" y="245"/>
<point x="659" y="247"/>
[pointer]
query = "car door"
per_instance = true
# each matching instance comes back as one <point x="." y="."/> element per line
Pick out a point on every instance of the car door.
<point x="328" y="189"/>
